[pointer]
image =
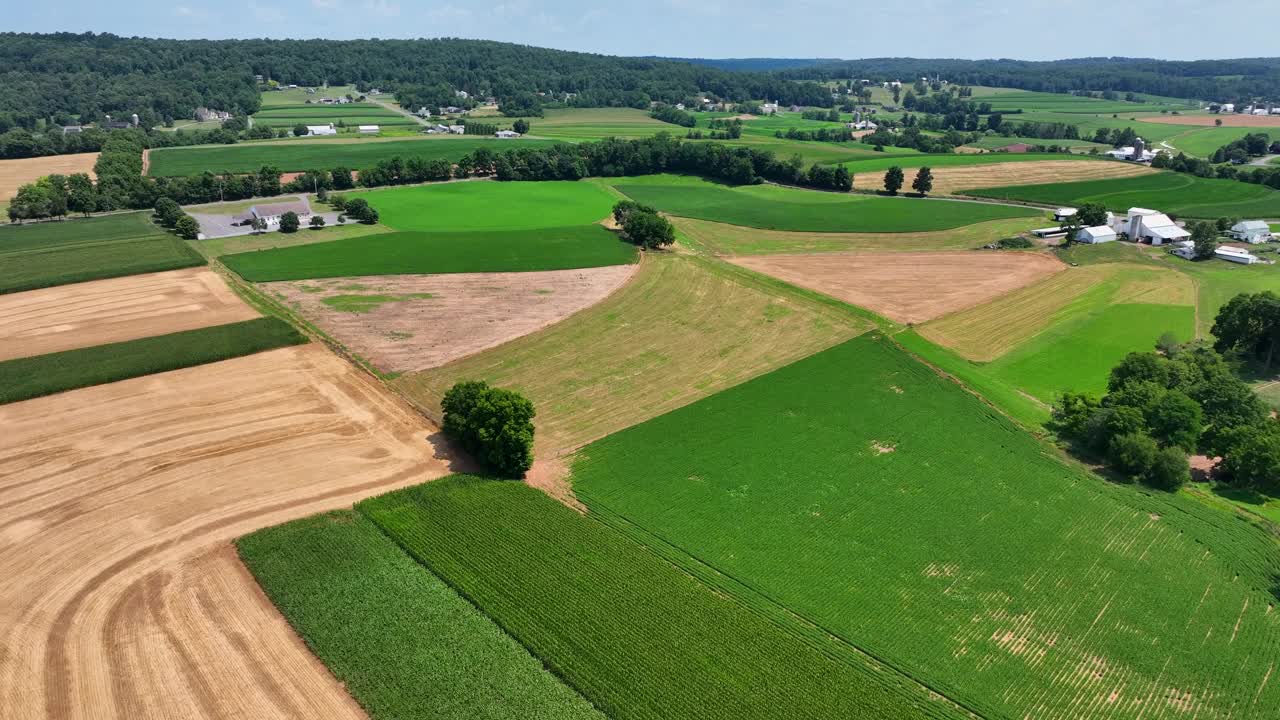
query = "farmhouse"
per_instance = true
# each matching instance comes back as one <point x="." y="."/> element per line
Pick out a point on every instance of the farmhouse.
<point x="369" y="129"/>
<point x="1095" y="235"/>
<point x="1254" y="232"/>
<point x="1062" y="214"/>
<point x="423" y="112"/>
<point x="322" y="130"/>
<point x="272" y="213"/>
<point x="204" y="114"/>
<point x="1227" y="108"/>
<point x="72" y="129"/>
<point x="862" y="125"/>
<point x="769" y="108"/>
<point x="1236" y="255"/>
<point x="507" y="134"/>
<point x="458" y="129"/>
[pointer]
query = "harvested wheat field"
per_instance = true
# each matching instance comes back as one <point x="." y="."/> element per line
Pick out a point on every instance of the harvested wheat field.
<point x="909" y="287"/>
<point x="950" y="180"/>
<point x="414" y="322"/>
<point x="122" y="598"/>
<point x="1212" y="120"/>
<point x="725" y="239"/>
<point x="16" y="173"/>
<point x="106" y="311"/>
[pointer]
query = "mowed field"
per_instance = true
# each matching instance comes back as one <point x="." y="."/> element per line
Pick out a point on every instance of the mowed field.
<point x="951" y="180"/>
<point x="1177" y="193"/>
<point x="772" y="207"/>
<point x="122" y="597"/>
<point x="351" y="114"/>
<point x="725" y="239"/>
<point x="909" y="287"/>
<point x="927" y="530"/>
<point x="319" y="154"/>
<point x="19" y="172"/>
<point x="682" y="328"/>
<point x="1211" y="120"/>
<point x="47" y="254"/>
<point x="106" y="311"/>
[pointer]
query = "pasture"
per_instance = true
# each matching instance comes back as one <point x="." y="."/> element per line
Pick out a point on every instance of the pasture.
<point x="681" y="329"/>
<point x="46" y="254"/>
<point x="557" y="580"/>
<point x="1179" y="194"/>
<point x="319" y="154"/>
<point x="125" y="496"/>
<point x="1029" y="101"/>
<point x="976" y="561"/>
<point x="18" y="172"/>
<point x="399" y="639"/>
<point x="725" y="239"/>
<point x="482" y="205"/>
<point x="773" y="207"/>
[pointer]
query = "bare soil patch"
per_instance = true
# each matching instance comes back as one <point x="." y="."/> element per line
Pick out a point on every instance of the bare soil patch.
<point x="16" y="173"/>
<point x="909" y="287"/>
<point x="106" y="311"/>
<point x="416" y="322"/>
<point x="122" y="597"/>
<point x="949" y="180"/>
<point x="1211" y="120"/>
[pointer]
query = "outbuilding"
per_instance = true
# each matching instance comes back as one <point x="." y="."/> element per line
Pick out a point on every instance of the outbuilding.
<point x="1236" y="255"/>
<point x="369" y="129"/>
<point x="1254" y="232"/>
<point x="506" y="134"/>
<point x="1063" y="214"/>
<point x="272" y="212"/>
<point x="322" y="129"/>
<point x="1095" y="235"/>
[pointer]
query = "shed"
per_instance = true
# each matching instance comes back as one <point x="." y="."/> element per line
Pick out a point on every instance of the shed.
<point x="1236" y="255"/>
<point x="322" y="129"/>
<point x="506" y="134"/>
<point x="1254" y="232"/>
<point x="1095" y="235"/>
<point x="370" y="129"/>
<point x="1062" y="214"/>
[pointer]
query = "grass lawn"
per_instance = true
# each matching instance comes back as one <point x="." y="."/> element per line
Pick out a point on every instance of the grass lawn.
<point x="836" y="496"/>
<point x="1176" y="193"/>
<point x="59" y="253"/>
<point x="724" y="239"/>
<point x="419" y="252"/>
<point x="638" y="637"/>
<point x="30" y="377"/>
<point x="300" y="155"/>
<point x="401" y="641"/>
<point x="217" y="247"/>
<point x="682" y="328"/>
<point x="490" y="205"/>
<point x="773" y="207"/>
<point x="1218" y="281"/>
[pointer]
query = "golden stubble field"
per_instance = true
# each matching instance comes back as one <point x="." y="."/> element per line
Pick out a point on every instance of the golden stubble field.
<point x="16" y="173"/>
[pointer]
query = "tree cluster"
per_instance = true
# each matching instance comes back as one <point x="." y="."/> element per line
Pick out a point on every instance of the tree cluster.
<point x="169" y="214"/>
<point x="672" y="114"/>
<point x="643" y="226"/>
<point x="1251" y="145"/>
<point x="492" y="424"/>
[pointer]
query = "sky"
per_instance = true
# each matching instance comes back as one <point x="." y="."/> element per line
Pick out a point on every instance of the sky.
<point x="1028" y="29"/>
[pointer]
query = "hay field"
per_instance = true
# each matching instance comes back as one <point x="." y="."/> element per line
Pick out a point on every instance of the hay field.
<point x="952" y="180"/>
<point x="16" y="173"/>
<point x="122" y="597"/>
<point x="1210" y="120"/>
<point x="725" y="239"/>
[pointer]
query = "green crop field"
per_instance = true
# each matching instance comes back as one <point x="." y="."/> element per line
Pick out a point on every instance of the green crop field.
<point x="634" y="634"/>
<point x="30" y="377"/>
<point x="301" y="155"/>
<point x="59" y="253"/>
<point x="1179" y="194"/>
<point x="776" y="208"/>
<point x="991" y="142"/>
<point x="1030" y="101"/>
<point x="1202" y="142"/>
<point x="977" y="562"/>
<point x="957" y="160"/>
<point x="724" y="239"/>
<point x="418" y="252"/>
<point x="400" y="640"/>
<point x="586" y="124"/>
<point x="481" y="205"/>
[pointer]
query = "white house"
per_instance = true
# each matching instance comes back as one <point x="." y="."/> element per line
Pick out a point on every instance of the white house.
<point x="1095" y="235"/>
<point x="1227" y="108"/>
<point x="322" y="129"/>
<point x="369" y="129"/>
<point x="1254" y="232"/>
<point x="272" y="213"/>
<point x="423" y="112"/>
<point x="769" y="107"/>
<point x="679" y="106"/>
<point x="862" y="125"/>
<point x="460" y="93"/>
<point x="506" y="134"/>
<point x="1064" y="213"/>
<point x="1236" y="255"/>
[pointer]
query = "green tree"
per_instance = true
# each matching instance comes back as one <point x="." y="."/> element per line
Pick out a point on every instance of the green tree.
<point x="289" y="222"/>
<point x="317" y="221"/>
<point x="494" y="425"/>
<point x="893" y="179"/>
<point x="1249" y="324"/>
<point x="1169" y="469"/>
<point x="1176" y="421"/>
<point x="624" y="208"/>
<point x="1092" y="214"/>
<point x="1204" y="235"/>
<point x="299" y="130"/>
<point x="342" y="179"/>
<point x="1139" y="367"/>
<point x="187" y="227"/>
<point x="648" y="230"/>
<point x="1253" y="458"/>
<point x="924" y="181"/>
<point x="521" y="126"/>
<point x="168" y="212"/>
<point x="1133" y="454"/>
<point x="82" y="196"/>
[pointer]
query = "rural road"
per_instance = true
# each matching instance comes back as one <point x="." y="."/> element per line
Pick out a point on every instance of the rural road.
<point x="397" y="109"/>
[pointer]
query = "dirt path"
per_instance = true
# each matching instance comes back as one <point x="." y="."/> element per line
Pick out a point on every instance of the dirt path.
<point x="146" y="161"/>
<point x="107" y="311"/>
<point x="122" y="597"/>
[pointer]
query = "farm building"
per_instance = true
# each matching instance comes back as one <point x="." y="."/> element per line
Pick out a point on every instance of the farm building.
<point x="204" y="114"/>
<point x="1137" y="152"/>
<point x="862" y="125"/>
<point x="1149" y="226"/>
<point x="369" y="129"/>
<point x="1227" y="108"/>
<point x="1062" y="214"/>
<point x="1254" y="232"/>
<point x="506" y="134"/>
<point x="272" y="212"/>
<point x="1095" y="235"/>
<point x="769" y="108"/>
<point x="322" y="129"/>
<point x="458" y="129"/>
<point x="1186" y="250"/>
<point x="1236" y="255"/>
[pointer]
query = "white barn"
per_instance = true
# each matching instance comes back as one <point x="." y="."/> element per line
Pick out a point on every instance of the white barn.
<point x="1254" y="232"/>
<point x="322" y="129"/>
<point x="1095" y="235"/>
<point x="506" y="134"/>
<point x="1236" y="255"/>
<point x="1149" y="226"/>
<point x="370" y="129"/>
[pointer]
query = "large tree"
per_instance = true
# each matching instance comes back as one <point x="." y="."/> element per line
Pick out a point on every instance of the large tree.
<point x="893" y="179"/>
<point x="493" y="424"/>
<point x="648" y="230"/>
<point x="1204" y="236"/>
<point x="1250" y="324"/>
<point x="924" y="181"/>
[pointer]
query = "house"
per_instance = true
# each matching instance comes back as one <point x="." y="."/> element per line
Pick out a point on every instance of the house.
<point x="458" y="129"/>
<point x="1261" y="111"/>
<point x="293" y="86"/>
<point x="769" y="108"/>
<point x="1015" y="148"/>
<point x="1185" y="249"/>
<point x="423" y="112"/>
<point x="1062" y="214"/>
<point x="272" y="212"/>
<point x="1227" y="108"/>
<point x="327" y="101"/>
<point x="1149" y="226"/>
<point x="369" y="129"/>
<point x="506" y="134"/>
<point x="1236" y="255"/>
<point x="322" y="130"/>
<point x="439" y="129"/>
<point x="679" y="106"/>
<point x="72" y="129"/>
<point x="1095" y="235"/>
<point x="375" y="91"/>
<point x="862" y="125"/>
<point x="1254" y="232"/>
<point x="204" y="114"/>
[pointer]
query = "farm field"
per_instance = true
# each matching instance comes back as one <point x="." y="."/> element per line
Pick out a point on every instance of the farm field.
<point x="681" y="329"/>
<point x="398" y="638"/>
<point x="1007" y="99"/>
<point x="350" y="114"/>
<point x="126" y="596"/>
<point x="952" y="179"/>
<point x="302" y="155"/>
<point x="553" y="578"/>
<point x="19" y="172"/>
<point x="909" y="287"/>
<point x="1176" y="193"/>
<point x="724" y="239"/>
<point x="105" y="311"/>
<point x="880" y="163"/>
<point x="1028" y="585"/>
<point x="34" y="376"/>
<point x="415" y="322"/>
<point x="1202" y="142"/>
<point x="1211" y="120"/>
<point x="992" y="142"/>
<point x="776" y="208"/>
<point x="483" y="205"/>
<point x="41" y="255"/>
<point x="588" y="124"/>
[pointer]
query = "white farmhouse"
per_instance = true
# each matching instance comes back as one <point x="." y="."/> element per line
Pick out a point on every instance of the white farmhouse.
<point x="769" y="108"/>
<point x="458" y="129"/>
<point x="322" y="129"/>
<point x="1095" y="235"/>
<point x="1236" y="255"/>
<point x="272" y="212"/>
<point x="1254" y="232"/>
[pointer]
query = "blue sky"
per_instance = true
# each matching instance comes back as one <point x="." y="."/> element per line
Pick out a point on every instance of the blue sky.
<point x="1030" y="29"/>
